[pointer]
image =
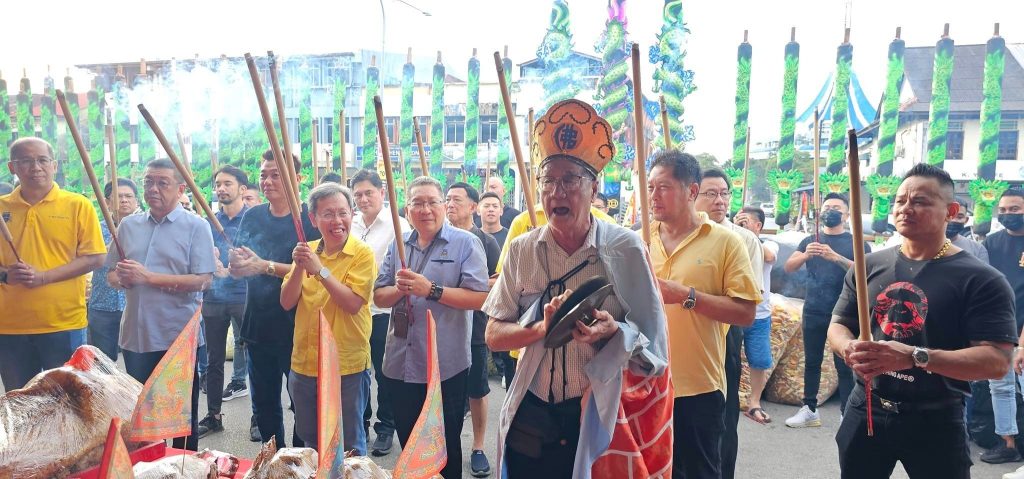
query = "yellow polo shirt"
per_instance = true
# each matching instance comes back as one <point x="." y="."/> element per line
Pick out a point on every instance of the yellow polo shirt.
<point x="355" y="267"/>
<point x="713" y="260"/>
<point x="51" y="233"/>
<point x="521" y="225"/>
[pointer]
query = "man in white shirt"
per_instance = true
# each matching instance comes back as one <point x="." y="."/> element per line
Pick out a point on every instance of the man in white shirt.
<point x="372" y="225"/>
<point x="757" y="338"/>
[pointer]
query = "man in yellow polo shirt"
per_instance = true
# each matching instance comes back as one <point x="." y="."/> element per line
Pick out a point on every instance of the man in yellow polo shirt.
<point x="335" y="273"/>
<point x="42" y="297"/>
<point x="707" y="284"/>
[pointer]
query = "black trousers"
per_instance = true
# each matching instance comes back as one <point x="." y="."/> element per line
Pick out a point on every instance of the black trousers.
<point x="815" y="329"/>
<point x="731" y="416"/>
<point x="140" y="366"/>
<point x="385" y="416"/>
<point x="407" y="400"/>
<point x="216" y="320"/>
<point x="697" y="436"/>
<point x="268" y="370"/>
<point x="557" y="456"/>
<point x="928" y="443"/>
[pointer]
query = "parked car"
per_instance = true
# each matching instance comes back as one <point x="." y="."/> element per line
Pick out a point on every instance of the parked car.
<point x="768" y="208"/>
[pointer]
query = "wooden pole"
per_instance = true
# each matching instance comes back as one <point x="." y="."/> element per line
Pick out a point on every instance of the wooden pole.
<point x="859" y="265"/>
<point x="815" y="197"/>
<point x="275" y="147"/>
<point x="316" y="159"/>
<point x="392" y="196"/>
<point x="513" y="131"/>
<point x="112" y="149"/>
<point x="401" y="166"/>
<point x="641" y="155"/>
<point x="419" y="146"/>
<point x="197" y="194"/>
<point x="664" y="123"/>
<point x="344" y="143"/>
<point x="746" y="172"/>
<point x="282" y="120"/>
<point x="530" y="121"/>
<point x="9" y="238"/>
<point x="83" y="152"/>
<point x="184" y="151"/>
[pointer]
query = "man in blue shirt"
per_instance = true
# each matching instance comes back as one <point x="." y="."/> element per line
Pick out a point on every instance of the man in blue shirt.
<point x="106" y="304"/>
<point x="446" y="274"/>
<point x="224" y="303"/>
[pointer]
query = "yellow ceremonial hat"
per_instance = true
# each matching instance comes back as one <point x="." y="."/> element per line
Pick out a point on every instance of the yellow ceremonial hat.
<point x="572" y="129"/>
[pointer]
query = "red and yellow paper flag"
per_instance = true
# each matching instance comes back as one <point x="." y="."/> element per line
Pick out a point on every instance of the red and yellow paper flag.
<point x="164" y="409"/>
<point x="116" y="464"/>
<point x="328" y="394"/>
<point x="425" y="454"/>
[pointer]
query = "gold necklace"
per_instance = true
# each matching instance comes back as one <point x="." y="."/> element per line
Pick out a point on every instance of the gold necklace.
<point x="942" y="251"/>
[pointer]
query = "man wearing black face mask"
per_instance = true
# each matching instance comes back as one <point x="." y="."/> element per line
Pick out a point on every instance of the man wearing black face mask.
<point x="1006" y="250"/>
<point x="954" y="232"/>
<point x="828" y="256"/>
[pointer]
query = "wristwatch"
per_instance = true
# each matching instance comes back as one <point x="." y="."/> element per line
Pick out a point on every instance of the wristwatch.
<point x="920" y="357"/>
<point x="323" y="274"/>
<point x="435" y="292"/>
<point x="270" y="269"/>
<point x="691" y="300"/>
<point x="3" y="277"/>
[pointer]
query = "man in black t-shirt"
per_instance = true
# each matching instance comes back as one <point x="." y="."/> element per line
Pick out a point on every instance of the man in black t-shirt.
<point x="939" y="318"/>
<point x="1006" y="254"/>
<point x="263" y="255"/>
<point x="827" y="256"/>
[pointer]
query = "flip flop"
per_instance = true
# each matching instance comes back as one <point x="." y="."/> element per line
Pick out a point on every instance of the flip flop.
<point x="753" y="413"/>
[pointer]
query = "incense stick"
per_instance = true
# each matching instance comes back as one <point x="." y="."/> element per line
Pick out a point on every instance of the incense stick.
<point x="641" y="155"/>
<point x="419" y="145"/>
<point x="513" y="131"/>
<point x="392" y="196"/>
<point x="859" y="265"/>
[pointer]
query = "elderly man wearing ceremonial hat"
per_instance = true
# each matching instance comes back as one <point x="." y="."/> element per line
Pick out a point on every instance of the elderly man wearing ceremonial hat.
<point x="560" y="410"/>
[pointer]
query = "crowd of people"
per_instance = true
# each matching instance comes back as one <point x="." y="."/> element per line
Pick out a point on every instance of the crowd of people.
<point x="945" y="309"/>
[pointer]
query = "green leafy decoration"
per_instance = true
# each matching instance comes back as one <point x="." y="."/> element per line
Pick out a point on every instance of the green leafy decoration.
<point x="834" y="183"/>
<point x="985" y="194"/>
<point x="437" y="121"/>
<point x="840" y="109"/>
<point x="370" y="119"/>
<point x="735" y="189"/>
<point x="890" y="107"/>
<point x="783" y="184"/>
<point x="739" y="135"/>
<point x="938" y="118"/>
<point x="882" y="189"/>
<point x="991" y="108"/>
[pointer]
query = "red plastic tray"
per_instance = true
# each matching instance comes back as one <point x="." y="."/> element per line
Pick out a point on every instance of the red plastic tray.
<point x="148" y="453"/>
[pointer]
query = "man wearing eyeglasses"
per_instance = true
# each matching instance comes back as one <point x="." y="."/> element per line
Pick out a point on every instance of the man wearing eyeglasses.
<point x="445" y="272"/>
<point x="543" y="431"/>
<point x="57" y="235"/>
<point x="168" y="262"/>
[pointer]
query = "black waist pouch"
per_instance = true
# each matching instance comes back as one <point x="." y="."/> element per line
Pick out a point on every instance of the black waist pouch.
<point x="537" y="423"/>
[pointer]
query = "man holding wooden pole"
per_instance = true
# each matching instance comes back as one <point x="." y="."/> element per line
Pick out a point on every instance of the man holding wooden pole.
<point x="58" y="239"/>
<point x="940" y="318"/>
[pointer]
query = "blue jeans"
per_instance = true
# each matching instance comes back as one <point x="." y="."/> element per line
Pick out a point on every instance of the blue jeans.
<point x="104" y="330"/>
<point x="355" y="393"/>
<point x="1004" y="403"/>
<point x="22" y="356"/>
<point x="239" y="364"/>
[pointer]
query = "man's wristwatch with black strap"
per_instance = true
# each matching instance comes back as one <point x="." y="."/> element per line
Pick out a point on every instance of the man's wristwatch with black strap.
<point x="691" y="300"/>
<point x="435" y="292"/>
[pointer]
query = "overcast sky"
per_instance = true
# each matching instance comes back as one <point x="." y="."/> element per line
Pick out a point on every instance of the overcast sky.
<point x="62" y="34"/>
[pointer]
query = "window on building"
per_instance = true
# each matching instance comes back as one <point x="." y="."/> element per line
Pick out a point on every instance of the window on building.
<point x="1008" y="140"/>
<point x="955" y="145"/>
<point x="354" y="131"/>
<point x="424" y="124"/>
<point x="391" y="126"/>
<point x="325" y="130"/>
<point x="454" y="129"/>
<point x="488" y="129"/>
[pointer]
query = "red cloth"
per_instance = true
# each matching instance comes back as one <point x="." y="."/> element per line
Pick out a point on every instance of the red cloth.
<point x="642" y="441"/>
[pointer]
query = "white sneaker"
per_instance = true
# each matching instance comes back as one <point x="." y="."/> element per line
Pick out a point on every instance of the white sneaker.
<point x="1018" y="474"/>
<point x="805" y="418"/>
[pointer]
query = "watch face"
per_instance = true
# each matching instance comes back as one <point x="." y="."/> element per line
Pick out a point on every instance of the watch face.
<point x="920" y="356"/>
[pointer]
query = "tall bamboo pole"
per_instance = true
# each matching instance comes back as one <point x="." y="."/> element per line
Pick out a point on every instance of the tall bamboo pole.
<point x="534" y="171"/>
<point x="282" y="120"/>
<point x="392" y="196"/>
<point x="860" y="269"/>
<point x="83" y="152"/>
<point x="316" y="157"/>
<point x="641" y="154"/>
<point x="424" y="171"/>
<point x="816" y="194"/>
<point x="9" y="238"/>
<point x="513" y="130"/>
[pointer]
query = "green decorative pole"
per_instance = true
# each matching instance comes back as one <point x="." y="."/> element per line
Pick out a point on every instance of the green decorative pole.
<point x="145" y="139"/>
<point x="405" y="135"/>
<point x="123" y="125"/>
<point x="504" y="143"/>
<point x="882" y="185"/>
<point x="370" y="117"/>
<point x="26" y="121"/>
<point x="840" y="111"/>
<point x="340" y="88"/>
<point x="671" y="78"/>
<point x="740" y="128"/>
<point x="986" y="190"/>
<point x="95" y="125"/>
<point x="938" y="117"/>
<point x="48" y="110"/>
<point x="559" y="81"/>
<point x="437" y="120"/>
<point x="614" y="95"/>
<point x="784" y="180"/>
<point x="71" y="175"/>
<point x="472" y="114"/>
<point x="6" y="135"/>
<point x="306" y="141"/>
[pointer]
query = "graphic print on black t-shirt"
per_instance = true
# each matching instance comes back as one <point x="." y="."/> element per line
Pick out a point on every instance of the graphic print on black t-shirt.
<point x="901" y="310"/>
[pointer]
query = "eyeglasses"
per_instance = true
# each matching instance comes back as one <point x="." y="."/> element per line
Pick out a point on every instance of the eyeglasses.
<point x="713" y="195"/>
<point x="162" y="185"/>
<point x="41" y="162"/>
<point x="569" y="183"/>
<point x="424" y="205"/>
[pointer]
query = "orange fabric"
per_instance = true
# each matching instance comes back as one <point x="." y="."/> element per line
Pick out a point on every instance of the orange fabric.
<point x="328" y="391"/>
<point x="164" y="409"/>
<point x="116" y="463"/>
<point x="425" y="453"/>
<point x="573" y="128"/>
<point x="642" y="441"/>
